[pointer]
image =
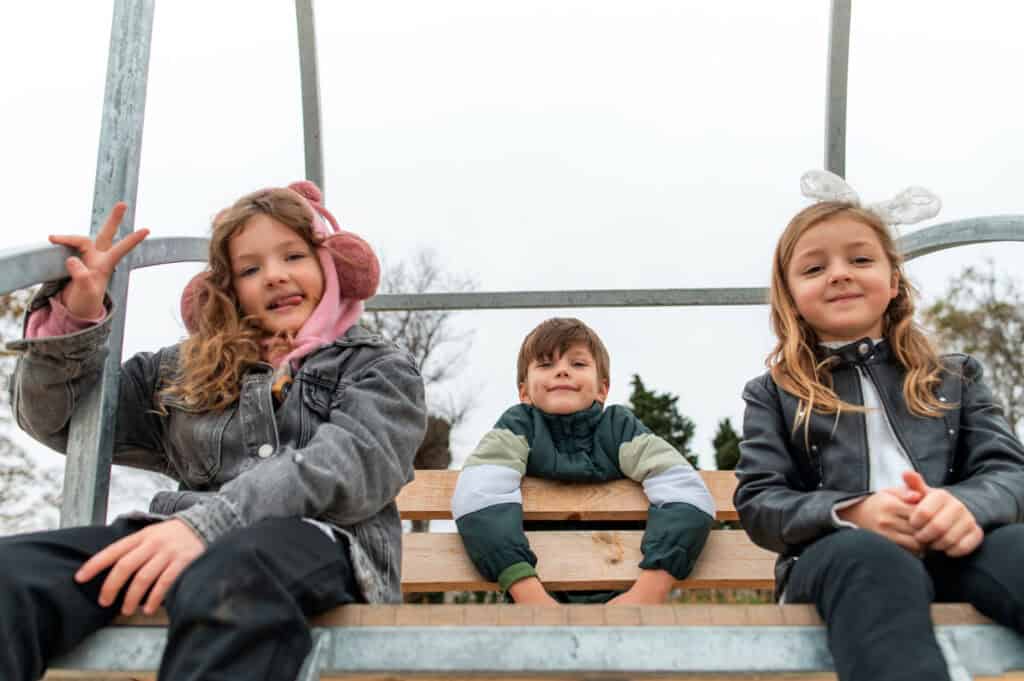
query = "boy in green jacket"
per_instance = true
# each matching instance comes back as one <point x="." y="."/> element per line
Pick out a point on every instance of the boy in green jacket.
<point x="560" y="430"/>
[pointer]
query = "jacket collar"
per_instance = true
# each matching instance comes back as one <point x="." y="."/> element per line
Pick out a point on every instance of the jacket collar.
<point x="359" y="335"/>
<point x="579" y="422"/>
<point x="356" y="336"/>
<point x="858" y="352"/>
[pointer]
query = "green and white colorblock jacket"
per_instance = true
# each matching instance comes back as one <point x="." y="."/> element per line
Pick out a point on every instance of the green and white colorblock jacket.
<point x="594" y="445"/>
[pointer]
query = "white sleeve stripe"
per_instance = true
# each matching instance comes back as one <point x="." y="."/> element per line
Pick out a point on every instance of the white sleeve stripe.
<point x="679" y="484"/>
<point x="483" y="486"/>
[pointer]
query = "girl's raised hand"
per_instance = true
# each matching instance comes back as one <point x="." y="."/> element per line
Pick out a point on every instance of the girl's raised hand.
<point x="91" y="270"/>
<point x="941" y="521"/>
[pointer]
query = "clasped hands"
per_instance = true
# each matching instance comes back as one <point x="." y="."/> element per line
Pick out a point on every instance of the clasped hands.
<point x="918" y="518"/>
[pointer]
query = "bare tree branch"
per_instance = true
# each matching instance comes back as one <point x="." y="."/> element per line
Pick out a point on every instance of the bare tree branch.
<point x="982" y="314"/>
<point x="434" y="343"/>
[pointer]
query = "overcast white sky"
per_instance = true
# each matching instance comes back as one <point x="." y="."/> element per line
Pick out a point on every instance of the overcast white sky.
<point x="535" y="145"/>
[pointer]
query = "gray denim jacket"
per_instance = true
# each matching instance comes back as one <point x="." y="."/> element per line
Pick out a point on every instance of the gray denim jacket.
<point x="338" y="449"/>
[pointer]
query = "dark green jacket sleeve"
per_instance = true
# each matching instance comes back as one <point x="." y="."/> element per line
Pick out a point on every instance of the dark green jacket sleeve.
<point x="488" y="506"/>
<point x="495" y="542"/>
<point x="674" y="538"/>
<point x="682" y="509"/>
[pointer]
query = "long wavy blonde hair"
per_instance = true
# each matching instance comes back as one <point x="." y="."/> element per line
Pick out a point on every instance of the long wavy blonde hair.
<point x="223" y="342"/>
<point x="797" y="366"/>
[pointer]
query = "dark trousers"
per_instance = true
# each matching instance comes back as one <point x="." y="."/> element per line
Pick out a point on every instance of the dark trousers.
<point x="237" y="612"/>
<point x="874" y="597"/>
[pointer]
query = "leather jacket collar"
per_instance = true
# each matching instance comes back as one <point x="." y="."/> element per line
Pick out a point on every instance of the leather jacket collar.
<point x="858" y="352"/>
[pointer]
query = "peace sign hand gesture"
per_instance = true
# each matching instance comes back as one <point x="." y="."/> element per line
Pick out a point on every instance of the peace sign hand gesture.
<point x="91" y="270"/>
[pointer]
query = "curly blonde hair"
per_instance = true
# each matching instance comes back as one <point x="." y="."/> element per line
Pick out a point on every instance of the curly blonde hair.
<point x="795" y="364"/>
<point x="214" y="357"/>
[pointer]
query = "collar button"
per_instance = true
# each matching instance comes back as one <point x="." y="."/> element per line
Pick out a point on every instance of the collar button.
<point x="863" y="348"/>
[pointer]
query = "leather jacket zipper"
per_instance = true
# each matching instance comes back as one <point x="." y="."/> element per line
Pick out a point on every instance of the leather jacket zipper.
<point x="864" y="428"/>
<point x="892" y="422"/>
<point x="817" y="460"/>
<point x="814" y="458"/>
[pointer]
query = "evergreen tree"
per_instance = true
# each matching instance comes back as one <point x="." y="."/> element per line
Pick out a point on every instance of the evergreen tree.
<point x="660" y="413"/>
<point x="727" y="446"/>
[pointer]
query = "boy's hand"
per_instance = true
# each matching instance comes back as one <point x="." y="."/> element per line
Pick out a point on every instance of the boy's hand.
<point x="651" y="588"/>
<point x="530" y="591"/>
<point x="887" y="512"/>
<point x="91" y="271"/>
<point x="155" y="555"/>
<point x="941" y="521"/>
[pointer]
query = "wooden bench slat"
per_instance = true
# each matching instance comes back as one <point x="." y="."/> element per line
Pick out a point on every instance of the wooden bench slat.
<point x="584" y="560"/>
<point x="712" y="615"/>
<point x="428" y="497"/>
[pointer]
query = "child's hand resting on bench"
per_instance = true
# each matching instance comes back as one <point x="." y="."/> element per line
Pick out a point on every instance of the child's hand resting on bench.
<point x="652" y="587"/>
<point x="530" y="591"/>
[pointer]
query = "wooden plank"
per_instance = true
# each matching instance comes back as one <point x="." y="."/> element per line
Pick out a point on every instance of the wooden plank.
<point x="707" y="615"/>
<point x="379" y="615"/>
<point x="428" y="497"/>
<point x="584" y="560"/>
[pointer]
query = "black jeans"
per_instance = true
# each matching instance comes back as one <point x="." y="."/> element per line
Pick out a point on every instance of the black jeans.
<point x="874" y="597"/>
<point x="237" y="612"/>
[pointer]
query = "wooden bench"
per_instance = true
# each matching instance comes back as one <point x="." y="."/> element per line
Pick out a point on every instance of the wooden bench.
<point x="574" y="561"/>
<point x="571" y="642"/>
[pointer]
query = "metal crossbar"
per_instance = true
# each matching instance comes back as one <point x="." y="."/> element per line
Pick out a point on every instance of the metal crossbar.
<point x="23" y="267"/>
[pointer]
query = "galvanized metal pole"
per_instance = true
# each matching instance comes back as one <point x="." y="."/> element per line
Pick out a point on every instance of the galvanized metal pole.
<point x="91" y="439"/>
<point x="835" y="98"/>
<point x="311" y="129"/>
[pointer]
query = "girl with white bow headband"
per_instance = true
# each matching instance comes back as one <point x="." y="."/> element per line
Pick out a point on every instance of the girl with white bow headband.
<point x="884" y="475"/>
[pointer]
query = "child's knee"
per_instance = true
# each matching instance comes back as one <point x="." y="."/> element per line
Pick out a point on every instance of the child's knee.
<point x="1006" y="542"/>
<point x="865" y="556"/>
<point x="218" y="581"/>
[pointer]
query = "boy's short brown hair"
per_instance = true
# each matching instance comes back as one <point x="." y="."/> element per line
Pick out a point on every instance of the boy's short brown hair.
<point x="558" y="334"/>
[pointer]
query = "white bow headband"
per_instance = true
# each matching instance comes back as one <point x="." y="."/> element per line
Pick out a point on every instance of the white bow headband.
<point x="911" y="205"/>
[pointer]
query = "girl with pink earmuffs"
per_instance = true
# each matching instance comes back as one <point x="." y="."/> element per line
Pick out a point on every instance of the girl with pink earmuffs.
<point x="289" y="428"/>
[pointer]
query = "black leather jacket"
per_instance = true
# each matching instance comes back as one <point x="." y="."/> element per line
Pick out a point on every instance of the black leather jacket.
<point x="787" y="485"/>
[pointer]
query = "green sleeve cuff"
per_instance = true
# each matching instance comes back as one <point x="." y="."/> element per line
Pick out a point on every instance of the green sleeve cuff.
<point x="513" y="573"/>
<point x="674" y="538"/>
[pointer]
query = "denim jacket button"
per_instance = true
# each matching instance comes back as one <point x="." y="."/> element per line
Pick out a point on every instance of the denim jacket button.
<point x="264" y="451"/>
